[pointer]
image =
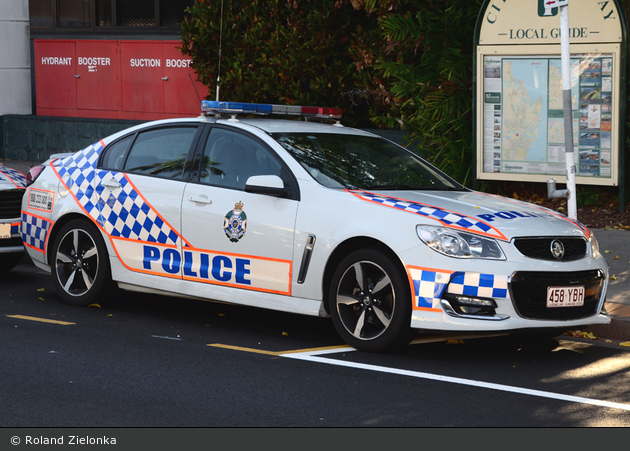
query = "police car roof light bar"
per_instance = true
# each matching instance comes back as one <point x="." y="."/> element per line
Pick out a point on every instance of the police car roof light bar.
<point x="211" y="106"/>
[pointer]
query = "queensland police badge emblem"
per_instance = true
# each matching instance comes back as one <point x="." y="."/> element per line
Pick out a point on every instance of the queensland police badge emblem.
<point x="235" y="223"/>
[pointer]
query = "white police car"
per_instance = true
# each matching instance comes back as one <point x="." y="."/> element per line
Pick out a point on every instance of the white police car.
<point x="12" y="187"/>
<point x="310" y="218"/>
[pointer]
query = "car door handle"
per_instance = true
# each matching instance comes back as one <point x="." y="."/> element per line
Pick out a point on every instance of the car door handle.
<point x="200" y="199"/>
<point x="111" y="184"/>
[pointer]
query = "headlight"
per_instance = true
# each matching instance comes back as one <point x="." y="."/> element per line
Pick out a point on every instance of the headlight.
<point x="594" y="246"/>
<point x="459" y="244"/>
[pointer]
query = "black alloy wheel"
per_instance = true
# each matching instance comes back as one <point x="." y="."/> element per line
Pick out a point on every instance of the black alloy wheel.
<point x="370" y="302"/>
<point x="80" y="264"/>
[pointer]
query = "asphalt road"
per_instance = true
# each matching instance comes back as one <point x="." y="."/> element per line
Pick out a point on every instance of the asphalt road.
<point x="149" y="361"/>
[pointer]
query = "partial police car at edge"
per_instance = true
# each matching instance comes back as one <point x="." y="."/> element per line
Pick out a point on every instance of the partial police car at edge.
<point x="12" y="187"/>
<point x="310" y="218"/>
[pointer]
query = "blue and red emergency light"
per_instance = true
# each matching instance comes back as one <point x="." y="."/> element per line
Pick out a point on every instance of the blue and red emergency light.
<point x="212" y="106"/>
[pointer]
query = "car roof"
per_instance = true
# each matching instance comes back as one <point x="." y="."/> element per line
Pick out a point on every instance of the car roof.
<point x="296" y="126"/>
<point x="266" y="125"/>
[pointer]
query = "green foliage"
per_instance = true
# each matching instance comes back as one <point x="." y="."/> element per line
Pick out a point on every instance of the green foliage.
<point x="421" y="67"/>
<point x="588" y="196"/>
<point x="276" y="51"/>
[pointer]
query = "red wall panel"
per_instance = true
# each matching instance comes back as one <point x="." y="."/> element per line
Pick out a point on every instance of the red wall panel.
<point x="55" y="74"/>
<point x="142" y="80"/>
<point x="141" y="71"/>
<point x="98" y="67"/>
<point x="182" y="92"/>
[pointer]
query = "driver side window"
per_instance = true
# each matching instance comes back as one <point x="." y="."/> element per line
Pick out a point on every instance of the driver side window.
<point x="230" y="158"/>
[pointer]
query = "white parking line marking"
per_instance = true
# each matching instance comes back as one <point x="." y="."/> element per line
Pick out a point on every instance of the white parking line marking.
<point x="314" y="357"/>
<point x="166" y="338"/>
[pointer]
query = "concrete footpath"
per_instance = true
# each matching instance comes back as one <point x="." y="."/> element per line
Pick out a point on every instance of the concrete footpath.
<point x="614" y="246"/>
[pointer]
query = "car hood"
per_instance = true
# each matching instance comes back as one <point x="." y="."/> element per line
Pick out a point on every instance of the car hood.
<point x="11" y="179"/>
<point x="484" y="214"/>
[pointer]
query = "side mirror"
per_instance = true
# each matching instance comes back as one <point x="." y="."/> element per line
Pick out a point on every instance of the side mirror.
<point x="271" y="185"/>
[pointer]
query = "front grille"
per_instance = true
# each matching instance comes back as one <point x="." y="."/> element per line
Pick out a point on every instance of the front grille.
<point x="11" y="203"/>
<point x="540" y="248"/>
<point x="529" y="293"/>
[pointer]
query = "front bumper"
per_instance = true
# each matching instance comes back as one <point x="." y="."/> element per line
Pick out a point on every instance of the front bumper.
<point x="483" y="295"/>
<point x="13" y="245"/>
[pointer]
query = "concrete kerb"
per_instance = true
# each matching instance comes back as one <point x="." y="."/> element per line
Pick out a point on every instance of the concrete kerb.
<point x="618" y="329"/>
<point x="614" y="246"/>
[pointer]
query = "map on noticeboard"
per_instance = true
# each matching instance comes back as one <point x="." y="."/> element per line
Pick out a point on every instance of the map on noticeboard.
<point x="524" y="115"/>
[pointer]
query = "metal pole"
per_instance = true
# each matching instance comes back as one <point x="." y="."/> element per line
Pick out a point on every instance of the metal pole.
<point x="568" y="110"/>
<point x="220" y="45"/>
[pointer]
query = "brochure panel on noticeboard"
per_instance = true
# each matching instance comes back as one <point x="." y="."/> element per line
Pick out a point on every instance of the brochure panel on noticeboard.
<point x="522" y="113"/>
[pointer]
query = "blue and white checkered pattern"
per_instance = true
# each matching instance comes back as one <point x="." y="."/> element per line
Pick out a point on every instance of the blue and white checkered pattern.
<point x="13" y="176"/>
<point x="35" y="231"/>
<point x="128" y="215"/>
<point x="84" y="159"/>
<point x="445" y="217"/>
<point x="476" y="284"/>
<point x="125" y="215"/>
<point x="429" y="285"/>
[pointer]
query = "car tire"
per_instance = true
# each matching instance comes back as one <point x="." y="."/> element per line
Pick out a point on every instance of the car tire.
<point x="370" y="302"/>
<point x="80" y="264"/>
<point x="9" y="261"/>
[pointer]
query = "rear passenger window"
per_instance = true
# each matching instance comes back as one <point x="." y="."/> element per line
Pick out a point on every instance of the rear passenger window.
<point x="114" y="156"/>
<point x="161" y="152"/>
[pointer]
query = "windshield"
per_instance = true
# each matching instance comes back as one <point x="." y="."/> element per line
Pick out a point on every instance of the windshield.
<point x="362" y="162"/>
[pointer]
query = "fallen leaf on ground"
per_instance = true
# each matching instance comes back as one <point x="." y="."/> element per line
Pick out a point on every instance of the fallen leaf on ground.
<point x="454" y="341"/>
<point x="625" y="343"/>
<point x="580" y="334"/>
<point x="588" y="335"/>
<point x="94" y="305"/>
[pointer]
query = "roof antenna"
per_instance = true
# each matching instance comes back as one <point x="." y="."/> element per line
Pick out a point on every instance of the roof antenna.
<point x="194" y="87"/>
<point x="220" y="43"/>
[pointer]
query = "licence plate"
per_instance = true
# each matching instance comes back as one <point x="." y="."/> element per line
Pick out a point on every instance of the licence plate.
<point x="565" y="297"/>
<point x="5" y="231"/>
